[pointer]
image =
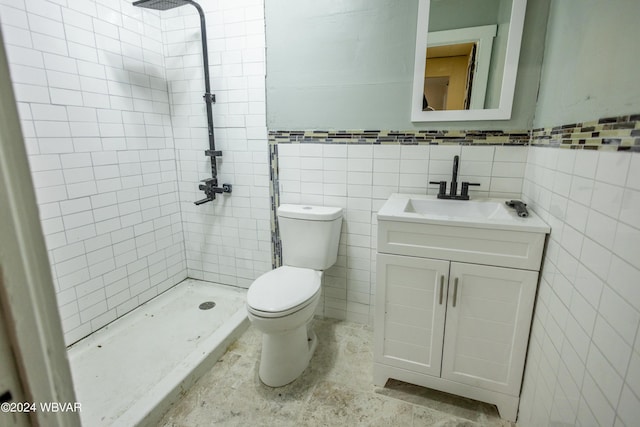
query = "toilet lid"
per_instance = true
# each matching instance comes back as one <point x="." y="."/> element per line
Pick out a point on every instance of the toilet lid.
<point x="283" y="288"/>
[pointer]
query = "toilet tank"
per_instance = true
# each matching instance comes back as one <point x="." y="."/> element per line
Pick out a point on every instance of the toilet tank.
<point x="309" y="235"/>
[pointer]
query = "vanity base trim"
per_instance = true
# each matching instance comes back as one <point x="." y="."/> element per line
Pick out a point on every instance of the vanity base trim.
<point x="507" y="405"/>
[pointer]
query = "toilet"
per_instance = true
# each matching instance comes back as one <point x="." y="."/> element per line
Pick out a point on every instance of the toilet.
<point x="282" y="302"/>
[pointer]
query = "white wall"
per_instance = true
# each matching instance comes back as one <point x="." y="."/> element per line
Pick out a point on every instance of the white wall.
<point x="227" y="240"/>
<point x="583" y="366"/>
<point x="359" y="178"/>
<point x="90" y="83"/>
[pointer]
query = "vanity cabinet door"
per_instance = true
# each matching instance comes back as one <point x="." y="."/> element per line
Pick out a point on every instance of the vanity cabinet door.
<point x="488" y="320"/>
<point x="411" y="300"/>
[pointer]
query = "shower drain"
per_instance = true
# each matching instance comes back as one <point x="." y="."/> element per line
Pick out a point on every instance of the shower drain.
<point x="207" y="305"/>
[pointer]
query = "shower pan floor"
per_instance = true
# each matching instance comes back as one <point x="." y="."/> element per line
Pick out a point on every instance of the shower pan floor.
<point x="129" y="372"/>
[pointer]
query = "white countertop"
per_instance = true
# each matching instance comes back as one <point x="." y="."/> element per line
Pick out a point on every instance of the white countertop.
<point x="475" y="213"/>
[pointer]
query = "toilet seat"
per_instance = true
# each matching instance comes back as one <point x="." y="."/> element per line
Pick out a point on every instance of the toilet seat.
<point x="283" y="291"/>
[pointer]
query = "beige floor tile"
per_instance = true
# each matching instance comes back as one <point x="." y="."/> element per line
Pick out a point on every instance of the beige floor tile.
<point x="338" y="404"/>
<point x="335" y="390"/>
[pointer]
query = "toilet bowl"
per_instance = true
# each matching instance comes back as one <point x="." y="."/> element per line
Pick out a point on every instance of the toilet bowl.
<point x="282" y="302"/>
<point x="281" y="305"/>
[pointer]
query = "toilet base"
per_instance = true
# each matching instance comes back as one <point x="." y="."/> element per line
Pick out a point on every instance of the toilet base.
<point x="286" y="355"/>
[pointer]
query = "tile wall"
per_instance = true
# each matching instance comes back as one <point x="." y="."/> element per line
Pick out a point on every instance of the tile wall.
<point x="110" y="98"/>
<point x="228" y="240"/>
<point x="90" y="84"/>
<point x="360" y="177"/>
<point x="583" y="365"/>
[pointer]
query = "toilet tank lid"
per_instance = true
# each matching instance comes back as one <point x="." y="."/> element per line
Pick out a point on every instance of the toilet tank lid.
<point x="308" y="212"/>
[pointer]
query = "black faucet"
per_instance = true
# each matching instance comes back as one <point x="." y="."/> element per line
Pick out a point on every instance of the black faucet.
<point x="453" y="189"/>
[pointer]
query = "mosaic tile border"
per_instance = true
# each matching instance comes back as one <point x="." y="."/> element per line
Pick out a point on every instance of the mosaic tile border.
<point x="412" y="137"/>
<point x="274" y="195"/>
<point x="621" y="133"/>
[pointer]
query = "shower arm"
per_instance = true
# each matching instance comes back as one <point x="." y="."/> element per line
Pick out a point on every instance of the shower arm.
<point x="210" y="185"/>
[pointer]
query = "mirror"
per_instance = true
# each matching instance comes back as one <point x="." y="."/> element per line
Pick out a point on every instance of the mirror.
<point x="466" y="59"/>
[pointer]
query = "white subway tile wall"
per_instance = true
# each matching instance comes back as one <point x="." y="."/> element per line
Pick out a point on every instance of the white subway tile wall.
<point x="359" y="178"/>
<point x="89" y="79"/>
<point x="583" y="365"/>
<point x="227" y="240"/>
<point x="116" y="152"/>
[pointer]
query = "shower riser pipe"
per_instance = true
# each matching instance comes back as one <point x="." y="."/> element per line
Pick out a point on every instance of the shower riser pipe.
<point x="209" y="185"/>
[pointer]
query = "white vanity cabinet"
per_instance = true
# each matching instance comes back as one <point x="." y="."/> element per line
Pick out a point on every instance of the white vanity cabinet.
<point x="453" y="308"/>
<point x="410" y="313"/>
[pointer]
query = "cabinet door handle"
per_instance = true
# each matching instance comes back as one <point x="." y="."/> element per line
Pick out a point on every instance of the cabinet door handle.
<point x="455" y="291"/>
<point x="441" y="287"/>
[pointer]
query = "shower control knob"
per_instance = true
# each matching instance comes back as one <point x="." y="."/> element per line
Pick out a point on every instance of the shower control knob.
<point x="226" y="188"/>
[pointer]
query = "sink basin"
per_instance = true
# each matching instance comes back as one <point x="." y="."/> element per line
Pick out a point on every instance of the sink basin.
<point x="478" y="213"/>
<point x="469" y="209"/>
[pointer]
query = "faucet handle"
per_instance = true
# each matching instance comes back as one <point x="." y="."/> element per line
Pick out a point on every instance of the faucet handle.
<point x="465" y="187"/>
<point x="442" y="189"/>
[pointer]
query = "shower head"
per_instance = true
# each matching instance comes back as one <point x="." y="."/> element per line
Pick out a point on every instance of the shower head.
<point x="161" y="4"/>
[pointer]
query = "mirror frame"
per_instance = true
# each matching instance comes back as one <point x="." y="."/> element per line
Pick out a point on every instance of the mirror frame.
<point x="507" y="89"/>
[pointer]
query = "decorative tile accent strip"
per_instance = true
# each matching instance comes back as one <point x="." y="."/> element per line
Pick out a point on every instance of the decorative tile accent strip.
<point x="620" y="133"/>
<point x="274" y="192"/>
<point x="412" y="137"/>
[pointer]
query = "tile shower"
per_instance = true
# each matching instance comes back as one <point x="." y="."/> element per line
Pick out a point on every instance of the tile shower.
<point x="110" y="104"/>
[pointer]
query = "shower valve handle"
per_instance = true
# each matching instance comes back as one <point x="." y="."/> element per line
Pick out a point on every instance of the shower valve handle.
<point x="210" y="188"/>
<point x="202" y="201"/>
